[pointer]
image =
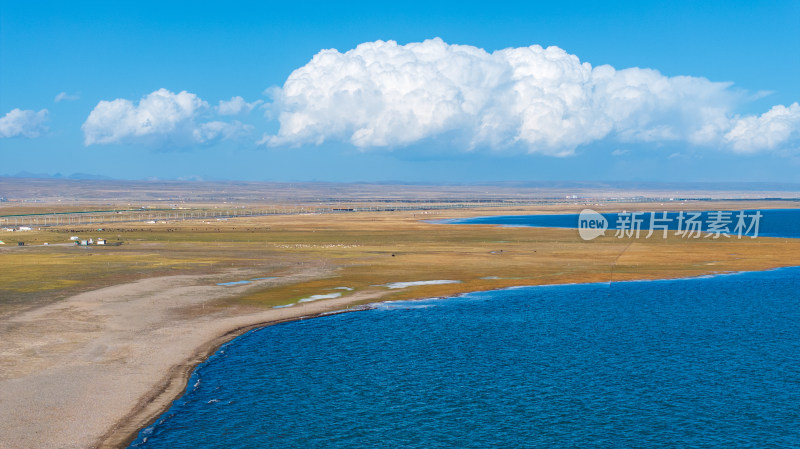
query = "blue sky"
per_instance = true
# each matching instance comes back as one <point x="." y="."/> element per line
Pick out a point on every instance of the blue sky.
<point x="133" y="90"/>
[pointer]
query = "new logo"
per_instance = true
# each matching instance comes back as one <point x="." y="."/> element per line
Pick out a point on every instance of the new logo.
<point x="591" y="224"/>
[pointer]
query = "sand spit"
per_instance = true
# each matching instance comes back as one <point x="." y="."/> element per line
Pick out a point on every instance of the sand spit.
<point x="70" y="372"/>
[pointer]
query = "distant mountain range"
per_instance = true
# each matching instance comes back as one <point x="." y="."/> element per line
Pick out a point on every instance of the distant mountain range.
<point x="558" y="185"/>
<point x="84" y="176"/>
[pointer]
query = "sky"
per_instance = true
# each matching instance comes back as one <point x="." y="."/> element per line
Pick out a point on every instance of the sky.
<point x="450" y="92"/>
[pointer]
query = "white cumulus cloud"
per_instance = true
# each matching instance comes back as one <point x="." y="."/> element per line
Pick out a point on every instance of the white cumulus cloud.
<point x="766" y="131"/>
<point x="23" y="123"/>
<point x="542" y="100"/>
<point x="236" y="105"/>
<point x="161" y="118"/>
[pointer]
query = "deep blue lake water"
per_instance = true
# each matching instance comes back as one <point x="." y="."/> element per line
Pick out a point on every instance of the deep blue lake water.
<point x="703" y="362"/>
<point x="772" y="223"/>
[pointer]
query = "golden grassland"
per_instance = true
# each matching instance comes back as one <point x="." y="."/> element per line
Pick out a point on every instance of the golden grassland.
<point x="364" y="251"/>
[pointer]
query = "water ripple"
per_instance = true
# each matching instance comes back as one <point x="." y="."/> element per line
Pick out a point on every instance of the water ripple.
<point x="711" y="362"/>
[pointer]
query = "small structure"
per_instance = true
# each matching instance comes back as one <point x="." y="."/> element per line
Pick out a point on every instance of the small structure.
<point x="20" y="243"/>
<point x="2" y="242"/>
<point x="24" y="228"/>
<point x="74" y="238"/>
<point x="101" y="241"/>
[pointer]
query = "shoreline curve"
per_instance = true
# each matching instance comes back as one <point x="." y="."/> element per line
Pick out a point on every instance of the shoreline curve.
<point x="173" y="385"/>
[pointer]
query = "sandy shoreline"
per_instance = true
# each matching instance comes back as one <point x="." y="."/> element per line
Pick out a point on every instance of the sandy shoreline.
<point x="92" y="370"/>
<point x="174" y="383"/>
<point x="89" y="371"/>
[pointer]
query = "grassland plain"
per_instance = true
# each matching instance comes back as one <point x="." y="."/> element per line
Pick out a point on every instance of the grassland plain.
<point x="363" y="250"/>
<point x="49" y="293"/>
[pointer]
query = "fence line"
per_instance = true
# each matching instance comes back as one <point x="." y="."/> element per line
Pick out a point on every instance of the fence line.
<point x="144" y="216"/>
